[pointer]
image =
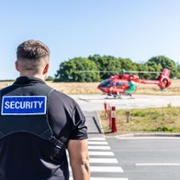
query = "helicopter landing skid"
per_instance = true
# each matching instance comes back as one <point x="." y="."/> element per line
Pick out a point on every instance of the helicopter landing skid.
<point x="119" y="96"/>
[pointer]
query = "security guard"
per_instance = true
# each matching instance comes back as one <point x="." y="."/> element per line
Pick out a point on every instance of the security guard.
<point x="38" y="124"/>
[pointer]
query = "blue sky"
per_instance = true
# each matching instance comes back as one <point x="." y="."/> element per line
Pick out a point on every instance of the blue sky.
<point x="135" y="29"/>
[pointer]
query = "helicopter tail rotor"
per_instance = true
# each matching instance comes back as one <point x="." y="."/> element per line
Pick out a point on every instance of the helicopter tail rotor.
<point x="164" y="79"/>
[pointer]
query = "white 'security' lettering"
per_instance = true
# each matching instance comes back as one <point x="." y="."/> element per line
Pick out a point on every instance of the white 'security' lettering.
<point x="23" y="104"/>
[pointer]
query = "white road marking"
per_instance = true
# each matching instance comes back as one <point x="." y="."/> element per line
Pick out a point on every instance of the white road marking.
<point x="158" y="164"/>
<point x="97" y="142"/>
<point x="104" y="178"/>
<point x="108" y="178"/>
<point x="105" y="169"/>
<point x="96" y="139"/>
<point x="103" y="160"/>
<point x="101" y="153"/>
<point x="99" y="147"/>
<point x="114" y="169"/>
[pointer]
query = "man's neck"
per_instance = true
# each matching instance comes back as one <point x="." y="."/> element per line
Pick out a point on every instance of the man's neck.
<point x="42" y="77"/>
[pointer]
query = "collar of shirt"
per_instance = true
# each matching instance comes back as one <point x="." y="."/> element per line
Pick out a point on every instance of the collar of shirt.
<point x="28" y="80"/>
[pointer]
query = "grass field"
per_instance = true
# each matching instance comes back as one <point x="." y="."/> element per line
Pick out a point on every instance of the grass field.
<point x="91" y="88"/>
<point x="148" y="120"/>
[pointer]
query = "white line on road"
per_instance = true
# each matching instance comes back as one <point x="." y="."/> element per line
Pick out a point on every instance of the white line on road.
<point x="97" y="142"/>
<point x="105" y="169"/>
<point x="99" y="147"/>
<point x="158" y="164"/>
<point x="101" y="153"/>
<point x="103" y="160"/>
<point x="108" y="178"/>
<point x="103" y="178"/>
<point x="97" y="139"/>
<point x="115" y="169"/>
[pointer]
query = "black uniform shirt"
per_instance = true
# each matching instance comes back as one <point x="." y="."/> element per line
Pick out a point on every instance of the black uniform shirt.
<point x="26" y="156"/>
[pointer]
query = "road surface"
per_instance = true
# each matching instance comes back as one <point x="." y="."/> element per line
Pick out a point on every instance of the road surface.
<point x="95" y="102"/>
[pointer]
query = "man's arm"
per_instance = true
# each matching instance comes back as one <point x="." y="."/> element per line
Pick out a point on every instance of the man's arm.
<point x="79" y="159"/>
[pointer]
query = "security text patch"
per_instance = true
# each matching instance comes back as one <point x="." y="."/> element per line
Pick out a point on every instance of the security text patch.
<point x="23" y="105"/>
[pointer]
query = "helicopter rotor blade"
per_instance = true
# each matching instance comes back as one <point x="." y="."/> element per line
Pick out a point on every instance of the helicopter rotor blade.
<point x="95" y="71"/>
<point x="153" y="72"/>
<point x="122" y="71"/>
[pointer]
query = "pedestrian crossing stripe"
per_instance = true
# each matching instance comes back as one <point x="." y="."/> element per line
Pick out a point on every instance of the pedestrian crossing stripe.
<point x="99" y="147"/>
<point x="97" y="139"/>
<point x="101" y="153"/>
<point x="97" y="142"/>
<point x="104" y="178"/>
<point x="101" y="161"/>
<point x="105" y="169"/>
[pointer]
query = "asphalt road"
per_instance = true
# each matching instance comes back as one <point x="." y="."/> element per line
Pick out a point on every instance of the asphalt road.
<point x="148" y="158"/>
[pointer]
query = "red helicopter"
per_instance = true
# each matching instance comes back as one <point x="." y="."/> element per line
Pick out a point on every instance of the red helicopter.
<point x="126" y="84"/>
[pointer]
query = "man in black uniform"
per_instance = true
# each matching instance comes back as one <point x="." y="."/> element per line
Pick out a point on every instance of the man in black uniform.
<point x="38" y="124"/>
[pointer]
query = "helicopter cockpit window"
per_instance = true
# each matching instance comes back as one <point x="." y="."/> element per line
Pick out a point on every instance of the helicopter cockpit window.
<point x="113" y="84"/>
<point x="128" y="84"/>
<point x="105" y="83"/>
<point x="119" y="84"/>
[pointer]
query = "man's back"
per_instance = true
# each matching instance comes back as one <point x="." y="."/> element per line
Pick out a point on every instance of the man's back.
<point x="26" y="149"/>
<point x="26" y="156"/>
<point x="38" y="123"/>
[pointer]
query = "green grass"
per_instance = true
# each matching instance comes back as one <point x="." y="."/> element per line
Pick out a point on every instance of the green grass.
<point x="149" y="120"/>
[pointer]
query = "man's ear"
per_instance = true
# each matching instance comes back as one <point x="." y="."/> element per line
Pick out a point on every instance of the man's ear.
<point x="46" y="69"/>
<point x="16" y="65"/>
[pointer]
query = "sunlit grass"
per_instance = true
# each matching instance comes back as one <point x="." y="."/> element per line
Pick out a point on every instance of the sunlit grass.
<point x="166" y="119"/>
<point x="91" y="88"/>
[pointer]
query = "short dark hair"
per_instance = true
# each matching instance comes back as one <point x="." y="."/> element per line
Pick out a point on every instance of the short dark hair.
<point x="32" y="49"/>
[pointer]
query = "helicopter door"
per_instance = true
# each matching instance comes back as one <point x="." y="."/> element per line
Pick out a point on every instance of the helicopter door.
<point x="120" y="87"/>
<point x="112" y="87"/>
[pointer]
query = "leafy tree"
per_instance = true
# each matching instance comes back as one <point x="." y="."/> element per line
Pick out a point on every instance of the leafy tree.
<point x="49" y="78"/>
<point x="96" y="68"/>
<point x="178" y="68"/>
<point x="107" y="65"/>
<point x="71" y="71"/>
<point x="128" y="65"/>
<point x="158" y="63"/>
<point x="143" y="67"/>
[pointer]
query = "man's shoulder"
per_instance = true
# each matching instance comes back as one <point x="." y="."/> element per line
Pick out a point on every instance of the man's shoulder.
<point x="62" y="95"/>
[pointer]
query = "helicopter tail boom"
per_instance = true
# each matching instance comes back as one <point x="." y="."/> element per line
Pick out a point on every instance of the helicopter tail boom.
<point x="163" y="80"/>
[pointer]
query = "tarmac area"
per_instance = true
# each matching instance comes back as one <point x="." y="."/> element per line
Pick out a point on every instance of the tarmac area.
<point x="90" y="104"/>
<point x="95" y="102"/>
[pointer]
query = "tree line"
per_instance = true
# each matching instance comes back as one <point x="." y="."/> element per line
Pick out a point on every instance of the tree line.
<point x="97" y="68"/>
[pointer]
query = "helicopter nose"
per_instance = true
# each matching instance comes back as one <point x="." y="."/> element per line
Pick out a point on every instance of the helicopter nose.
<point x="99" y="87"/>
